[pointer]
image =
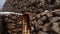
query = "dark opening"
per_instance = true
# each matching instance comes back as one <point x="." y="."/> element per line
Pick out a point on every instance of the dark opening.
<point x="4" y="23"/>
<point x="26" y="16"/>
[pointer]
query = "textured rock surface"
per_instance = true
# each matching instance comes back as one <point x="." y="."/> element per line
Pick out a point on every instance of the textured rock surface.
<point x="27" y="5"/>
<point x="12" y="24"/>
<point x="42" y="21"/>
<point x="48" y="24"/>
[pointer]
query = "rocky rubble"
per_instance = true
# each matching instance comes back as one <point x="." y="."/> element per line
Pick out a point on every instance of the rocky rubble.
<point x="48" y="24"/>
<point x="12" y="24"/>
<point x="43" y="17"/>
<point x="27" y="5"/>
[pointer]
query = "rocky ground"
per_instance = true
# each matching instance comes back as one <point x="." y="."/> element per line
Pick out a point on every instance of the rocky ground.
<point x="44" y="17"/>
<point x="46" y="23"/>
<point x="11" y="24"/>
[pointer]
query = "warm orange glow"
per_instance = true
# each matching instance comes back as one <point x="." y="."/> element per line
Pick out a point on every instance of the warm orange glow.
<point x="25" y="28"/>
